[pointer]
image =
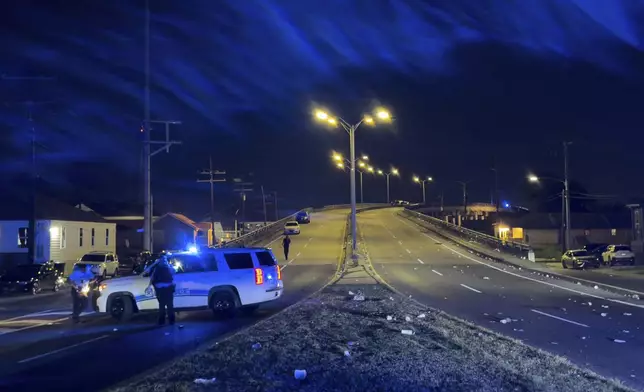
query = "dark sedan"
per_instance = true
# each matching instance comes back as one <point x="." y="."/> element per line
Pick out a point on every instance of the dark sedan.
<point x="32" y="278"/>
<point x="579" y="259"/>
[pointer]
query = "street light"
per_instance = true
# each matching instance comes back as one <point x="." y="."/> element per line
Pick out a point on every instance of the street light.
<point x="393" y="171"/>
<point x="383" y="116"/>
<point x="565" y="194"/>
<point x="422" y="183"/>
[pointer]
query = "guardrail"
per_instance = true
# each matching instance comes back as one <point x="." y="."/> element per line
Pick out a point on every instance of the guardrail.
<point x="517" y="249"/>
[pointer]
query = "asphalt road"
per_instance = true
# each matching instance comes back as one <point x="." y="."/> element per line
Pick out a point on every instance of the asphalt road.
<point x="592" y="328"/>
<point x="41" y="350"/>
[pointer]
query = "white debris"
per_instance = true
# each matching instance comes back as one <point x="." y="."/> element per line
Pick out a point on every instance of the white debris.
<point x="486" y="278"/>
<point x="407" y="332"/>
<point x="351" y="292"/>
<point x="604" y="314"/>
<point x="628" y="314"/>
<point x="205" y="381"/>
<point x="583" y="338"/>
<point x="351" y="344"/>
<point x="358" y="297"/>
<point x="181" y="326"/>
<point x="299" y="374"/>
<point x="635" y="296"/>
<point x="408" y="319"/>
<point x="347" y="353"/>
<point x="256" y="346"/>
<point x="389" y="318"/>
<point x="505" y="321"/>
<point x="391" y="298"/>
<point x="115" y="329"/>
<point x="619" y="341"/>
<point x="626" y="331"/>
<point x="167" y="333"/>
<point x="596" y="287"/>
<point x="605" y="306"/>
<point x="422" y="315"/>
<point x="555" y="343"/>
<point x="518" y="330"/>
<point x="578" y="282"/>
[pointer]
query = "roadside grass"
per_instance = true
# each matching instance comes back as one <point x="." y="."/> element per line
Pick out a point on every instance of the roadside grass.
<point x="444" y="354"/>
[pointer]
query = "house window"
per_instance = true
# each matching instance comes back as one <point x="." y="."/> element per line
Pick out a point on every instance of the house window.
<point x="23" y="237"/>
<point x="93" y="235"/>
<point x="80" y="237"/>
<point x="613" y="232"/>
<point x="63" y="238"/>
<point x="107" y="237"/>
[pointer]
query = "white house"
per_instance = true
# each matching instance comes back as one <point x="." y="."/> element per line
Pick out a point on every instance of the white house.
<point x="63" y="234"/>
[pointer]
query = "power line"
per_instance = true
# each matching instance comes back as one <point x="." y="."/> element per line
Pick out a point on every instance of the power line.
<point x="212" y="178"/>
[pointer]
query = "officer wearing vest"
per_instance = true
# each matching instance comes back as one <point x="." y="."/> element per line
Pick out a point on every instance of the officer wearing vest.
<point x="162" y="280"/>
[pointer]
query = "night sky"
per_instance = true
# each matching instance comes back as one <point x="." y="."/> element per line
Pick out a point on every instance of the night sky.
<point x="470" y="82"/>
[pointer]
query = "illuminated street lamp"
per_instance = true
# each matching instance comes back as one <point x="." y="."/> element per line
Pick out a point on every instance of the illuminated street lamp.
<point x="566" y="198"/>
<point x="393" y="171"/>
<point x="422" y="183"/>
<point x="381" y="115"/>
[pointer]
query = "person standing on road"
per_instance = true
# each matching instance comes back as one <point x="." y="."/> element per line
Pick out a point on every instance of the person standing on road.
<point x="162" y="280"/>
<point x="81" y="280"/>
<point x="286" y="244"/>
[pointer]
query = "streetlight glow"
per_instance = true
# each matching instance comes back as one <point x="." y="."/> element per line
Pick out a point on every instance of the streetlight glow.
<point x="361" y="164"/>
<point x="416" y="179"/>
<point x="370" y="169"/>
<point x="380" y="172"/>
<point x="332" y="121"/>
<point x="369" y="120"/>
<point x="394" y="172"/>
<point x="337" y="157"/>
<point x="365" y="158"/>
<point x="430" y="179"/>
<point x="383" y="114"/>
<point x="533" y="178"/>
<point x="339" y="165"/>
<point x="321" y="115"/>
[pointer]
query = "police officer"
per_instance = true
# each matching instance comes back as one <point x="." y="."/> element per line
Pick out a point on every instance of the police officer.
<point x="81" y="281"/>
<point x="286" y="244"/>
<point x="162" y="280"/>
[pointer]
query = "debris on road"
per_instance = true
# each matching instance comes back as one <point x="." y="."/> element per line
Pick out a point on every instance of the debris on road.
<point x="205" y="381"/>
<point x="505" y="320"/>
<point x="256" y="346"/>
<point x="619" y="341"/>
<point x="422" y="315"/>
<point x="407" y="332"/>
<point x="604" y="314"/>
<point x="299" y="374"/>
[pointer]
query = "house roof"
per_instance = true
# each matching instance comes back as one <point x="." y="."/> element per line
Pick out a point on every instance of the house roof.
<point x="536" y="220"/>
<point x="17" y="206"/>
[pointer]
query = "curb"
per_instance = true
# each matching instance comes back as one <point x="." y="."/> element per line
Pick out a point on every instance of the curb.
<point x="585" y="282"/>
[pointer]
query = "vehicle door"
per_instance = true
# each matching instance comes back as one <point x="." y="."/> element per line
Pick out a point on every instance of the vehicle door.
<point x="110" y="265"/>
<point x="565" y="258"/>
<point x="192" y="279"/>
<point x="46" y="277"/>
<point x="242" y="275"/>
<point x="607" y="253"/>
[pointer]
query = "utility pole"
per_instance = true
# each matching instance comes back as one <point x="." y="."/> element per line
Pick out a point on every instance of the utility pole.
<point x="442" y="209"/>
<point x="464" y="185"/>
<point x="264" y="205"/>
<point x="243" y="188"/>
<point x="567" y="194"/>
<point x="211" y="173"/>
<point x="32" y="230"/>
<point x="277" y="214"/>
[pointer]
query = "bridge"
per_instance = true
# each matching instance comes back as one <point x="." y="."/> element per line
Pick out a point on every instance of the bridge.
<point x="465" y="274"/>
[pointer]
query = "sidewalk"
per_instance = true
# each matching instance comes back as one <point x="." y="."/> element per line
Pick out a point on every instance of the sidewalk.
<point x="627" y="282"/>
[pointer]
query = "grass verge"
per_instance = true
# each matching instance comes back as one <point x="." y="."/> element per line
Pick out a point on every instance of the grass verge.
<point x="444" y="354"/>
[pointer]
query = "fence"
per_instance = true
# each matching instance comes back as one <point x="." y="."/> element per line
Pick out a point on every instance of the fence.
<point x="517" y="249"/>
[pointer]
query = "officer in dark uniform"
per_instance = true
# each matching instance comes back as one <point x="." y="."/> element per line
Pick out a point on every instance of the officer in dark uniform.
<point x="162" y="280"/>
<point x="286" y="244"/>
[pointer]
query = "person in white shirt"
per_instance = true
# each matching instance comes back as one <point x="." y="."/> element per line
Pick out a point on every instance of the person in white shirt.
<point x="81" y="281"/>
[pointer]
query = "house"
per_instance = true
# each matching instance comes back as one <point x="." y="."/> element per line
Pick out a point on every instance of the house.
<point x="543" y="231"/>
<point x="63" y="233"/>
<point x="171" y="231"/>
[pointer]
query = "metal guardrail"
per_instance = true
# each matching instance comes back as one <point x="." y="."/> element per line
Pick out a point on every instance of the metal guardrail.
<point x="517" y="249"/>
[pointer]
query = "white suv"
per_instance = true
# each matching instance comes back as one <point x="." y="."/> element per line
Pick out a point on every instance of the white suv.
<point x="107" y="263"/>
<point x="222" y="279"/>
<point x="618" y="254"/>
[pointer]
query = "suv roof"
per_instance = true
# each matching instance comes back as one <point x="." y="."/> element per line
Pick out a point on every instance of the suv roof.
<point x="227" y="250"/>
<point x="99" y="252"/>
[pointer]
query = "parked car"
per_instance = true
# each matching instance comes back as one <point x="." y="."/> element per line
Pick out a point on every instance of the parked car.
<point x="107" y="262"/>
<point x="303" y="217"/>
<point x="615" y="254"/>
<point x="579" y="258"/>
<point x="32" y="278"/>
<point x="222" y="279"/>
<point x="596" y="250"/>
<point x="292" y="227"/>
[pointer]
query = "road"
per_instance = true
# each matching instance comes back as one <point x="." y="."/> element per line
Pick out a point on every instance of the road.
<point x="592" y="328"/>
<point x="41" y="350"/>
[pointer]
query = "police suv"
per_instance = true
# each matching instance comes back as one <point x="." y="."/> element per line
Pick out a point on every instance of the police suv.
<point x="222" y="279"/>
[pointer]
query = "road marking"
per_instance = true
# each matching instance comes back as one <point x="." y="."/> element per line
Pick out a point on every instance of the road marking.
<point x="307" y="244"/>
<point x="62" y="349"/>
<point x="273" y="241"/>
<point x="527" y="277"/>
<point x="420" y="261"/>
<point x="469" y="288"/>
<point x="26" y="315"/>
<point x="297" y="255"/>
<point x="399" y="242"/>
<point x="559" y="318"/>
<point x="394" y="236"/>
<point x="408" y="251"/>
<point x="34" y="326"/>
<point x="437" y="273"/>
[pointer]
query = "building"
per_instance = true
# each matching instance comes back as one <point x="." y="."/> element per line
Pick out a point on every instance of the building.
<point x="543" y="231"/>
<point x="171" y="231"/>
<point x="63" y="233"/>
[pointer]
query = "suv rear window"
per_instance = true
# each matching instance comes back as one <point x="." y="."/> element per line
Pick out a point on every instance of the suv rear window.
<point x="623" y="248"/>
<point x="93" y="258"/>
<point x="291" y="224"/>
<point x="238" y="260"/>
<point x="265" y="259"/>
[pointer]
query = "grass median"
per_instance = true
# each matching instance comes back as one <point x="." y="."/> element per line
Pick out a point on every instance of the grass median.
<point x="350" y="345"/>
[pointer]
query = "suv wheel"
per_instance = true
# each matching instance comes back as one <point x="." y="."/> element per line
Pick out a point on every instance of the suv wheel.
<point x="121" y="308"/>
<point x="222" y="304"/>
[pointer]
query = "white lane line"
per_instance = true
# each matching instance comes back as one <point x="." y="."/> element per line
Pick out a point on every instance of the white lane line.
<point x="469" y="288"/>
<point x="559" y="318"/>
<point x="27" y="315"/>
<point x="34" y="326"/>
<point x="527" y="277"/>
<point x="437" y="273"/>
<point x="399" y="242"/>
<point x="62" y="349"/>
<point x="297" y="255"/>
<point x="273" y="241"/>
<point x="394" y="236"/>
<point x="420" y="261"/>
<point x="408" y="251"/>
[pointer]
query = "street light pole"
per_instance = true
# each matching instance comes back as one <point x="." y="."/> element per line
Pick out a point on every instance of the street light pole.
<point x="423" y="184"/>
<point x="352" y="158"/>
<point x="567" y="195"/>
<point x="361" y="189"/>
<point x="388" y="174"/>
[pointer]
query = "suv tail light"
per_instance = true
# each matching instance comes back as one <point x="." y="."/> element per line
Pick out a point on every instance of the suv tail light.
<point x="279" y="272"/>
<point x="259" y="276"/>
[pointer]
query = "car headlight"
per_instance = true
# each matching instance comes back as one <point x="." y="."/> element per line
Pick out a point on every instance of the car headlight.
<point x="102" y="287"/>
